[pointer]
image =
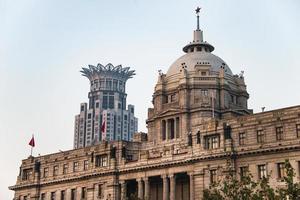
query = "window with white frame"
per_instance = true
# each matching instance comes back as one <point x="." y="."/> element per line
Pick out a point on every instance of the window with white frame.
<point x="262" y="171"/>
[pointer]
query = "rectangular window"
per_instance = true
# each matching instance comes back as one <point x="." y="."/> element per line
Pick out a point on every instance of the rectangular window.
<point x="105" y="102"/>
<point x="65" y="168"/>
<point x="83" y="193"/>
<point x="213" y="176"/>
<point x="100" y="191"/>
<point x="89" y="116"/>
<point x="115" y="84"/>
<point x="212" y="142"/>
<point x="204" y="92"/>
<point x="111" y="101"/>
<point x="73" y="194"/>
<point x="26" y="174"/>
<point x="85" y="165"/>
<point x="55" y="170"/>
<point x="298" y="130"/>
<point x="43" y="196"/>
<point x="279" y="133"/>
<point x="108" y="83"/>
<point x="242" y="138"/>
<point x="173" y="98"/>
<point x="62" y="195"/>
<point x="75" y="166"/>
<point x="82" y="108"/>
<point x="281" y="170"/>
<point x="46" y="172"/>
<point x="244" y="171"/>
<point x="101" y="161"/>
<point x="262" y="171"/>
<point x="52" y="196"/>
<point x="260" y="136"/>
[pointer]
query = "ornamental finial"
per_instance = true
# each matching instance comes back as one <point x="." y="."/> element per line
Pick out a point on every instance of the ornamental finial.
<point x="197" y="12"/>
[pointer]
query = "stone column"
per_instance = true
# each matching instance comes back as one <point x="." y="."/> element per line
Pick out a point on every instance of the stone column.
<point x="140" y="188"/>
<point x="172" y="186"/>
<point x="147" y="188"/>
<point x="78" y="193"/>
<point x="165" y="187"/>
<point x="68" y="194"/>
<point x="96" y="191"/>
<point x="167" y="129"/>
<point x="191" y="174"/>
<point x="123" y="190"/>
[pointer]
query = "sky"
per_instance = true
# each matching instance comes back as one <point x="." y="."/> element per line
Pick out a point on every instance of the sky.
<point x="44" y="44"/>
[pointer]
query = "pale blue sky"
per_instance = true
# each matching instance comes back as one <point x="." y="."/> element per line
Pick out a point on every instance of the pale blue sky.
<point x="43" y="45"/>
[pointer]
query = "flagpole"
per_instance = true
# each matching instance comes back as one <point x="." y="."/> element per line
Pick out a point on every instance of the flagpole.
<point x="31" y="151"/>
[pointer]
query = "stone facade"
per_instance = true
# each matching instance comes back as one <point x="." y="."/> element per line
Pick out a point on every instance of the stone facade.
<point x="179" y="169"/>
<point x="199" y="129"/>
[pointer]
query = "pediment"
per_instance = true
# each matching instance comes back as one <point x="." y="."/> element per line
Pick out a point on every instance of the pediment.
<point x="171" y="111"/>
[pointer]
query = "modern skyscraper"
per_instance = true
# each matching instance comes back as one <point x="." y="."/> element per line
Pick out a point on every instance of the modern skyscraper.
<point x="105" y="117"/>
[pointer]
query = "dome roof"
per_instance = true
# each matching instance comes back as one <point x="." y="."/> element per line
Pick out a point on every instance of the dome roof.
<point x="198" y="57"/>
<point x="198" y="52"/>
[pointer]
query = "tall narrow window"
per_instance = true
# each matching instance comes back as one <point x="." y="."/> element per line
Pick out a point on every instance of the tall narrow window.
<point x="242" y="138"/>
<point x="298" y="130"/>
<point x="213" y="176"/>
<point x="65" y="168"/>
<point x="46" y="172"/>
<point x="163" y="129"/>
<point x="262" y="171"/>
<point x="100" y="190"/>
<point x="177" y="128"/>
<point x="198" y="137"/>
<point x="171" y="130"/>
<point x="85" y="165"/>
<point x="279" y="133"/>
<point x="281" y="170"/>
<point x="244" y="171"/>
<point x="55" y="170"/>
<point x="260" y="136"/>
<point x="75" y="166"/>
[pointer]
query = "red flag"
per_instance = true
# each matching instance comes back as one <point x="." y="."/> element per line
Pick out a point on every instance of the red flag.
<point x="32" y="143"/>
<point x="103" y="127"/>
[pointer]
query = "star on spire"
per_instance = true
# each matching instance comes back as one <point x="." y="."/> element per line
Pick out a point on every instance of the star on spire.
<point x="198" y="10"/>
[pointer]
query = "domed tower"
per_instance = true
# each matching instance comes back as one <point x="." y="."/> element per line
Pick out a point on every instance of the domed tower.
<point x="197" y="87"/>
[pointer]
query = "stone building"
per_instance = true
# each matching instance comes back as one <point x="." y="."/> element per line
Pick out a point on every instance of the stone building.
<point x="107" y="107"/>
<point x="199" y="128"/>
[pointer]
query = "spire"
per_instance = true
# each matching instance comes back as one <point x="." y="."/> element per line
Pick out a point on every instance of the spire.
<point x="197" y="13"/>
<point x="198" y="39"/>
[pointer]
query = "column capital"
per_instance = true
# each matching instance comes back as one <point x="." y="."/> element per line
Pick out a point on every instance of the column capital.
<point x="171" y="175"/>
<point x="164" y="176"/>
<point x="146" y="179"/>
<point x="191" y="173"/>
<point x="138" y="179"/>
